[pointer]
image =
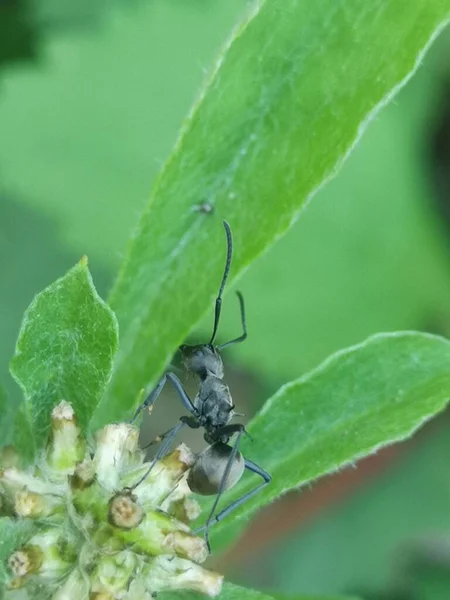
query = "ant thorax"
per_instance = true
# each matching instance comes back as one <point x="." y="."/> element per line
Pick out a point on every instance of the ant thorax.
<point x="213" y="403"/>
<point x="203" y="360"/>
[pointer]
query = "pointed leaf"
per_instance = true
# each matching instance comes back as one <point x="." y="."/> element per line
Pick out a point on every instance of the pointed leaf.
<point x="354" y="403"/>
<point x="65" y="349"/>
<point x="291" y="95"/>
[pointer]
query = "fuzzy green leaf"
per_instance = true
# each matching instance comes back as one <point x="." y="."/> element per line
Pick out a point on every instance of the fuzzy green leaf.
<point x="15" y="428"/>
<point x="235" y="592"/>
<point x="354" y="403"/>
<point x="65" y="349"/>
<point x="23" y="439"/>
<point x="13" y="534"/>
<point x="291" y="95"/>
<point x="5" y="418"/>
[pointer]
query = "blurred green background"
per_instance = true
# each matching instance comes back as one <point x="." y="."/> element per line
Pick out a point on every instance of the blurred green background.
<point x="91" y="98"/>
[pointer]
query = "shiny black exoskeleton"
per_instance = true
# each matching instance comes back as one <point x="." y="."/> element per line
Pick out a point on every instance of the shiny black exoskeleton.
<point x="220" y="465"/>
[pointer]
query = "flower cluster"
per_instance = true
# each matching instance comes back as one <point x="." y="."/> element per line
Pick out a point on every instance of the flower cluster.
<point x="92" y="536"/>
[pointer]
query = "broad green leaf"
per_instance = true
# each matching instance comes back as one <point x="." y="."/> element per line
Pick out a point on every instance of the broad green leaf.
<point x="291" y="95"/>
<point x="65" y="349"/>
<point x="13" y="534"/>
<point x="399" y="277"/>
<point x="235" y="592"/>
<point x="354" y="403"/>
<point x="403" y="516"/>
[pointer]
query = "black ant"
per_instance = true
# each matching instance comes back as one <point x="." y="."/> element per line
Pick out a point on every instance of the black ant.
<point x="219" y="466"/>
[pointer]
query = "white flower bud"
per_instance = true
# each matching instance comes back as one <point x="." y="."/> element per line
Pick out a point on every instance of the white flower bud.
<point x="25" y="562"/>
<point x="159" y="533"/>
<point x="124" y="511"/>
<point x="65" y="448"/>
<point x="113" y="573"/>
<point x="13" y="480"/>
<point x="186" y="545"/>
<point x="33" y="505"/>
<point x="165" y="479"/>
<point x="137" y="591"/>
<point x="84" y="474"/>
<point x="117" y="450"/>
<point x="105" y="539"/>
<point x="75" y="587"/>
<point x="49" y="546"/>
<point x="178" y="503"/>
<point x="165" y="573"/>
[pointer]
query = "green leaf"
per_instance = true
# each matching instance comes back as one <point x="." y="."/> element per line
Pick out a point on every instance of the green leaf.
<point x="235" y="592"/>
<point x="13" y="534"/>
<point x="5" y="418"/>
<point x="398" y="279"/>
<point x="403" y="515"/>
<point x="65" y="349"/>
<point x="354" y="403"/>
<point x="292" y="94"/>
<point x="15" y="428"/>
<point x="23" y="437"/>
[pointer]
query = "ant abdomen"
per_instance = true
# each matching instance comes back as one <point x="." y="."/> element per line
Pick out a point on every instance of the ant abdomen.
<point x="207" y="473"/>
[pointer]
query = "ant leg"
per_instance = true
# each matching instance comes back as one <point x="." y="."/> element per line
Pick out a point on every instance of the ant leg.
<point x="190" y="421"/>
<point x="240" y="430"/>
<point x="154" y="394"/>
<point x="229" y="430"/>
<point x="167" y="439"/>
<point x="254" y="468"/>
<point x="151" y="398"/>
<point x="157" y="439"/>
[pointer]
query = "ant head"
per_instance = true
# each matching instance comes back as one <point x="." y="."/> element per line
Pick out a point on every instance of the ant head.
<point x="202" y="360"/>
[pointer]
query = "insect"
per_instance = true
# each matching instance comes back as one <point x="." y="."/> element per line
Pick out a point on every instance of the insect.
<point x="220" y="465"/>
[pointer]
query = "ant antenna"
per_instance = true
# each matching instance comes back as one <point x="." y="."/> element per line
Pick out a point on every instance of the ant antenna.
<point x="242" y="337"/>
<point x="224" y="280"/>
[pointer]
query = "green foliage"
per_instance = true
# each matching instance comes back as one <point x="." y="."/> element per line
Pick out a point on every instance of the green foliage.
<point x="369" y="253"/>
<point x="65" y="349"/>
<point x="243" y="151"/>
<point x="13" y="534"/>
<point x="404" y="505"/>
<point x="6" y="420"/>
<point x="15" y="429"/>
<point x="356" y="402"/>
<point x="234" y="592"/>
<point x="67" y="122"/>
<point x="77" y="124"/>
<point x="256" y="151"/>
